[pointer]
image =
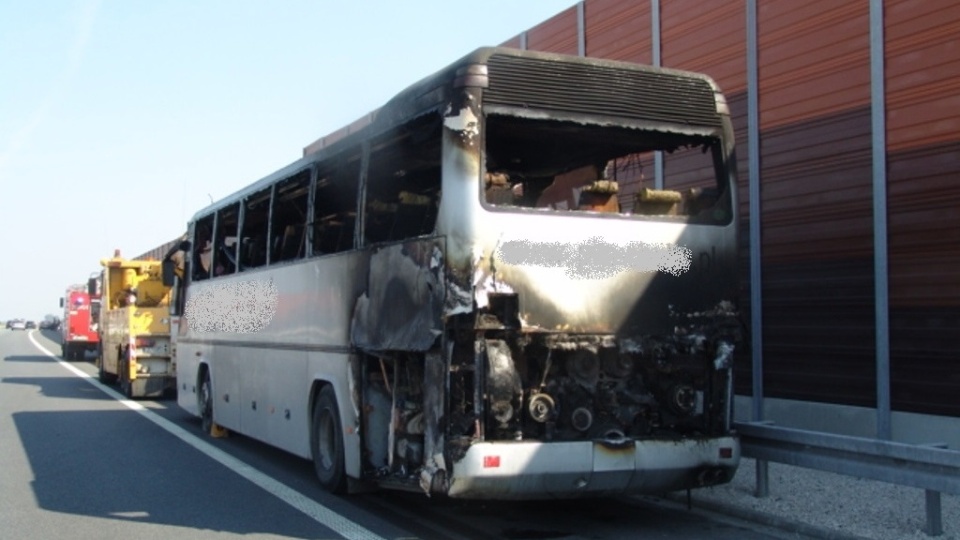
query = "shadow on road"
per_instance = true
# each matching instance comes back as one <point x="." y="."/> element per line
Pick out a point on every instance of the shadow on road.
<point x="112" y="465"/>
<point x="26" y="358"/>
<point x="60" y="387"/>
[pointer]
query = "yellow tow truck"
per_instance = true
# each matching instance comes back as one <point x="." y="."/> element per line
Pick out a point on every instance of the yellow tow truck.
<point x="135" y="347"/>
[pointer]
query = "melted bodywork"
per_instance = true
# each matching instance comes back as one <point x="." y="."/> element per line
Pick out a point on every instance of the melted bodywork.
<point x="402" y="307"/>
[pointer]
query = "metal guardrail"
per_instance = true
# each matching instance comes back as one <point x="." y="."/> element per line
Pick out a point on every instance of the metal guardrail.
<point x="931" y="467"/>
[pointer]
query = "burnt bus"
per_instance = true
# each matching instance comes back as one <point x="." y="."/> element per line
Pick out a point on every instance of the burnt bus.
<point x="518" y="280"/>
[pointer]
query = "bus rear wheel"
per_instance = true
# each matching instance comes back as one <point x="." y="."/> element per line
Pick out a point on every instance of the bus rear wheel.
<point x="205" y="403"/>
<point x="326" y="442"/>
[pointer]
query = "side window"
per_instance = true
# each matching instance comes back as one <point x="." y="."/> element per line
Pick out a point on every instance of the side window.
<point x="335" y="205"/>
<point x="225" y="240"/>
<point x="202" y="252"/>
<point x="403" y="182"/>
<point x="253" y="238"/>
<point x="290" y="218"/>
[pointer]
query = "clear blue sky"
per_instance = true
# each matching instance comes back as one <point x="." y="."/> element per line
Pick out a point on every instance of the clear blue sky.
<point x="120" y="119"/>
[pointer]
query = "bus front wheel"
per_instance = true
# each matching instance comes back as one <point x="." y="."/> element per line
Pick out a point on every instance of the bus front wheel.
<point x="326" y="440"/>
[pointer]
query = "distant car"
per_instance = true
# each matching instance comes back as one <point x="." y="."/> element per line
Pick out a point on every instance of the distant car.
<point x="18" y="325"/>
<point x="9" y="324"/>
<point x="30" y="324"/>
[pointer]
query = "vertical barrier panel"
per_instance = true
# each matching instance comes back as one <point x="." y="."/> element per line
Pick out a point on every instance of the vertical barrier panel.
<point x="922" y="76"/>
<point x="815" y="154"/>
<point x="618" y="30"/>
<point x="557" y="34"/>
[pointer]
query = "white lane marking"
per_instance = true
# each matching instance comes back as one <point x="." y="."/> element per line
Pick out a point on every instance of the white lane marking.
<point x="316" y="511"/>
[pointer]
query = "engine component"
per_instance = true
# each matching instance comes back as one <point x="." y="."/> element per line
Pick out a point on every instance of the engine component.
<point x="541" y="407"/>
<point x="581" y="419"/>
<point x="504" y="389"/>
<point x="683" y="399"/>
<point x="584" y="366"/>
<point x="619" y="366"/>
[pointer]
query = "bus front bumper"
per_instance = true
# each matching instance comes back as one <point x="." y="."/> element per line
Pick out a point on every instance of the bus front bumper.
<point x="537" y="470"/>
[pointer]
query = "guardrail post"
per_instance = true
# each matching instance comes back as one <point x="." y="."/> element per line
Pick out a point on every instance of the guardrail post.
<point x="934" y="518"/>
<point x="932" y="504"/>
<point x="763" y="471"/>
<point x="763" y="480"/>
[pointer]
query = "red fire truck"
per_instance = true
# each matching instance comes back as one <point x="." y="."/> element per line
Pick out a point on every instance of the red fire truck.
<point x="81" y="312"/>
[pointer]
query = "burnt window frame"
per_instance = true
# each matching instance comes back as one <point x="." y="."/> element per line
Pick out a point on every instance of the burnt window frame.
<point x="400" y="202"/>
<point x="711" y="139"/>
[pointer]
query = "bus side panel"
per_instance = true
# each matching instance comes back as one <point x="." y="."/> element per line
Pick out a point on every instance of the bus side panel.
<point x="289" y="407"/>
<point x="228" y="398"/>
<point x="256" y="367"/>
<point x="188" y="365"/>
<point x="273" y="367"/>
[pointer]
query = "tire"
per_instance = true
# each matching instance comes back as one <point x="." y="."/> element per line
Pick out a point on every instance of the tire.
<point x="105" y="378"/>
<point x="123" y="374"/>
<point x="326" y="442"/>
<point x="205" y="403"/>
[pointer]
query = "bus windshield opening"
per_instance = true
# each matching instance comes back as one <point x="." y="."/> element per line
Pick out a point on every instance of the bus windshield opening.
<point x="567" y="167"/>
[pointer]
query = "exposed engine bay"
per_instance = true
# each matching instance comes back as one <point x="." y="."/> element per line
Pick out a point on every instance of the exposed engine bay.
<point x="501" y="384"/>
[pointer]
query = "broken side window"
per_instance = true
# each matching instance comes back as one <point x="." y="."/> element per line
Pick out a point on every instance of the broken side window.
<point x="253" y="238"/>
<point x="552" y="165"/>
<point x="403" y="182"/>
<point x="225" y="240"/>
<point x="202" y="248"/>
<point x="290" y="218"/>
<point x="335" y="205"/>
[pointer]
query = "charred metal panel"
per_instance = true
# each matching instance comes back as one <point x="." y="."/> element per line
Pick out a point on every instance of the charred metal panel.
<point x="402" y="306"/>
<point x="537" y="83"/>
<point x="503" y="387"/>
<point x="433" y="473"/>
<point x="620" y="300"/>
<point x="461" y="163"/>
